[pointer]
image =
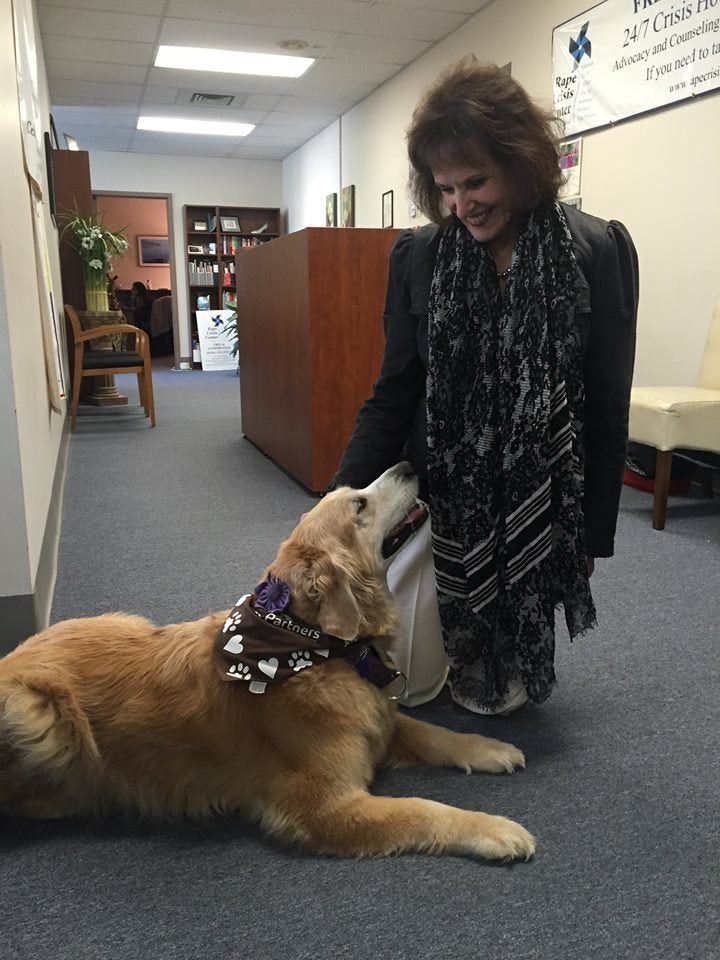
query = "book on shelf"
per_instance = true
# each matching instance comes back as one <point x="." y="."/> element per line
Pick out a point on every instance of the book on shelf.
<point x="200" y="273"/>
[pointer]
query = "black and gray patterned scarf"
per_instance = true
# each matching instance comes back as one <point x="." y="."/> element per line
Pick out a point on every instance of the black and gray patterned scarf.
<point x="505" y="459"/>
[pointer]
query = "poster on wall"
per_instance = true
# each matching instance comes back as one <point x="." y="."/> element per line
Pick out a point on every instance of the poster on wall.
<point x="624" y="57"/>
<point x="28" y="99"/>
<point x="216" y="345"/>
<point x="570" y="164"/>
<point x="49" y="318"/>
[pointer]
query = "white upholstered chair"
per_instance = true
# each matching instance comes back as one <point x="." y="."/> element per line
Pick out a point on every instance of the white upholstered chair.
<point x="675" y="418"/>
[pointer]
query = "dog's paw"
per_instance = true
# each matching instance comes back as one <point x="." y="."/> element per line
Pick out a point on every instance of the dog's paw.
<point x="298" y="661"/>
<point x="503" y="839"/>
<point x="489" y="756"/>
<point x="238" y="671"/>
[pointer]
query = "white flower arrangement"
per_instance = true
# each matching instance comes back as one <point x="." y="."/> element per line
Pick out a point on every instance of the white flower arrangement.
<point x="97" y="246"/>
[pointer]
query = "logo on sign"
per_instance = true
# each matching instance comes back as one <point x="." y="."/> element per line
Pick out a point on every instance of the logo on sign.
<point x="580" y="47"/>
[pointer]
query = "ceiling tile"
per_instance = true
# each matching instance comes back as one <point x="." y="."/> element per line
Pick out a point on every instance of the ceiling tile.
<point x="260" y="101"/>
<point x="398" y="21"/>
<point x="92" y="90"/>
<point x="239" y="36"/>
<point x="103" y="72"/>
<point x="336" y="15"/>
<point x="219" y="82"/>
<point x="467" y="7"/>
<point x="71" y="22"/>
<point x="86" y="50"/>
<point x="357" y="48"/>
<point x="149" y="7"/>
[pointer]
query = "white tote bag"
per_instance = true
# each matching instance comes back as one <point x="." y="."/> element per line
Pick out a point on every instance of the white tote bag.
<point x="419" y="652"/>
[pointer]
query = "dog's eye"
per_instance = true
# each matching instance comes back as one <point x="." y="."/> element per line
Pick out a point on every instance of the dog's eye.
<point x="360" y="504"/>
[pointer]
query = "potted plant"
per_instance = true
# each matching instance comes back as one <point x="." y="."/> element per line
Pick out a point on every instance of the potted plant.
<point x="96" y="246"/>
<point x="233" y="334"/>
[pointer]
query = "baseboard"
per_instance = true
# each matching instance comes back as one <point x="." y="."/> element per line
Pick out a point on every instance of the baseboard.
<point x="23" y="615"/>
<point x="17" y="615"/>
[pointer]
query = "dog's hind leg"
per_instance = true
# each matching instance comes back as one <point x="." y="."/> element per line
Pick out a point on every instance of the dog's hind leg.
<point x="359" y="824"/>
<point x="414" y="741"/>
<point x="49" y="761"/>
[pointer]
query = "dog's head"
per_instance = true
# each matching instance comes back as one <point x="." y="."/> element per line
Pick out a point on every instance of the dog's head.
<point x="334" y="561"/>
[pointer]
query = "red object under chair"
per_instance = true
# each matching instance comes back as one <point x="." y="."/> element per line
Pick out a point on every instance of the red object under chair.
<point x="678" y="486"/>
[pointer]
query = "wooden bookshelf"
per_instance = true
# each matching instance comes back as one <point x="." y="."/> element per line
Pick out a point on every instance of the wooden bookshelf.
<point x="214" y="236"/>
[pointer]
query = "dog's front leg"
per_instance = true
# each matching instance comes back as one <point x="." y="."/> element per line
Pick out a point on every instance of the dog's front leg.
<point x="355" y="823"/>
<point x="414" y="742"/>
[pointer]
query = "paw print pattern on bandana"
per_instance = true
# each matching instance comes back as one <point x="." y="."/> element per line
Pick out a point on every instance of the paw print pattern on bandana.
<point x="238" y="671"/>
<point x="232" y="622"/>
<point x="298" y="661"/>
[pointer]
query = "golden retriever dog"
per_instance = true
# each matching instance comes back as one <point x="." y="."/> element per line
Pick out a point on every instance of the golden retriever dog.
<point x="113" y="713"/>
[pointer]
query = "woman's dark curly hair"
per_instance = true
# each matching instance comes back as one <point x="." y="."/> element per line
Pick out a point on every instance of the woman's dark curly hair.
<point x="475" y="108"/>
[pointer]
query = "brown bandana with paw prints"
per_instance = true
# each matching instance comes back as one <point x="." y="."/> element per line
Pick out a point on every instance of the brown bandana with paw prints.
<point x="262" y="647"/>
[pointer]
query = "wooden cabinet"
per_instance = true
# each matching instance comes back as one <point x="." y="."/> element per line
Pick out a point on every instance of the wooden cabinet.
<point x="214" y="236"/>
<point x="311" y="343"/>
<point x="71" y="176"/>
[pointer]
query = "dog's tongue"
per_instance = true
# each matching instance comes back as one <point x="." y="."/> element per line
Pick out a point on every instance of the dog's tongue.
<point x="412" y="521"/>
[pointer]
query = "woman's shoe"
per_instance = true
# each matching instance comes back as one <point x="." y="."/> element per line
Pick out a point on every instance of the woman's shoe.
<point x="515" y="697"/>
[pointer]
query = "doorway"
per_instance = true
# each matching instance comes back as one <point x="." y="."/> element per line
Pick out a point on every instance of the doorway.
<point x="146" y="221"/>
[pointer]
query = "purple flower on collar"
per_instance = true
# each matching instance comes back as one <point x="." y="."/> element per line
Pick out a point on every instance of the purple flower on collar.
<point x="273" y="595"/>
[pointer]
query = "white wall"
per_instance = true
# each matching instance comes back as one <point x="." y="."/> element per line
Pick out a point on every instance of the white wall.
<point x="30" y="432"/>
<point x="658" y="173"/>
<point x="309" y="175"/>
<point x="191" y="181"/>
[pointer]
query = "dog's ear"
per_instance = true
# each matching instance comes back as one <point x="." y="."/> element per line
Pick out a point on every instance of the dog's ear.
<point x="338" y="611"/>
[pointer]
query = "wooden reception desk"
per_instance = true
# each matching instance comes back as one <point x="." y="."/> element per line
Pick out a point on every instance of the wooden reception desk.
<point x="311" y="341"/>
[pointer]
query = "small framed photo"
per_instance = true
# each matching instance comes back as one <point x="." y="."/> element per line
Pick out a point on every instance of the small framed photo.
<point x="230" y="224"/>
<point x="387" y="208"/>
<point x="153" y="251"/>
<point x="331" y="210"/>
<point x="196" y="248"/>
<point x="199" y="226"/>
<point x="348" y="206"/>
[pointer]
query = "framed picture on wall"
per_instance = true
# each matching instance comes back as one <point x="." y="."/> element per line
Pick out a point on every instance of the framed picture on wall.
<point x="331" y="210"/>
<point x="387" y="208"/>
<point x="348" y="206"/>
<point x="230" y="224"/>
<point x="153" y="251"/>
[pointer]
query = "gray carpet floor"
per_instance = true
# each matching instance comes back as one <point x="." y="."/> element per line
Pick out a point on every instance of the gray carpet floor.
<point x="622" y="785"/>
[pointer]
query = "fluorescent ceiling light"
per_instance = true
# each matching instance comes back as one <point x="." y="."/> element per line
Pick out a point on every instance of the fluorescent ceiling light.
<point x="232" y="61"/>
<point x="212" y="128"/>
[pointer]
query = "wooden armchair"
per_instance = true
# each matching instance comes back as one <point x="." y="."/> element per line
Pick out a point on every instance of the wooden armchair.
<point x="89" y="363"/>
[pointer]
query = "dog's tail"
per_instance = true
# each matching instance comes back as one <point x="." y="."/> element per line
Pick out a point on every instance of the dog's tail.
<point x="45" y="740"/>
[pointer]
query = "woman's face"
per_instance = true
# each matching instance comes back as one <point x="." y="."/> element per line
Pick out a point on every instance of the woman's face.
<point x="482" y="198"/>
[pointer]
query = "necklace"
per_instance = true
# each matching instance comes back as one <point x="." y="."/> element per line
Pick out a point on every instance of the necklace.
<point x="504" y="274"/>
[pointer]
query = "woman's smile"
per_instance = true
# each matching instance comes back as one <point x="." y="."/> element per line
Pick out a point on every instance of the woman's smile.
<point x="482" y="198"/>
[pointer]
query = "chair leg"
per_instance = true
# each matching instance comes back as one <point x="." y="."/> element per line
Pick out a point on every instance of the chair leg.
<point x="663" y="464"/>
<point x="141" y="392"/>
<point x="75" y="402"/>
<point x="147" y="382"/>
